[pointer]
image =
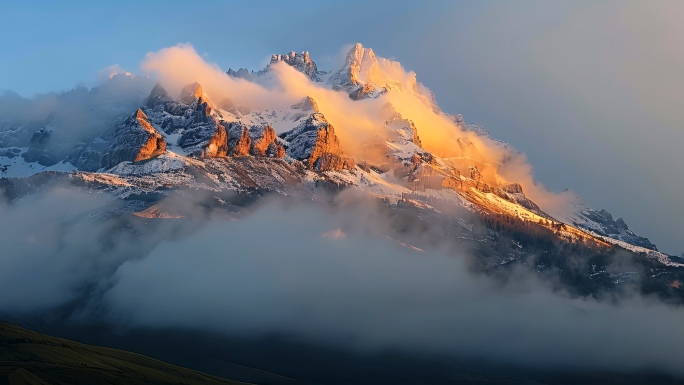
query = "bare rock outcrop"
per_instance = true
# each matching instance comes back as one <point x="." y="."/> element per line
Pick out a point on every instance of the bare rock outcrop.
<point x="218" y="144"/>
<point x="314" y="142"/>
<point x="264" y="143"/>
<point x="158" y="96"/>
<point x="135" y="140"/>
<point x="198" y="129"/>
<point x="300" y="61"/>
<point x="190" y="93"/>
<point x="203" y="133"/>
<point x="239" y="141"/>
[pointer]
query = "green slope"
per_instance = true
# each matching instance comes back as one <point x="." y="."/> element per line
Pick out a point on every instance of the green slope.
<point x="27" y="357"/>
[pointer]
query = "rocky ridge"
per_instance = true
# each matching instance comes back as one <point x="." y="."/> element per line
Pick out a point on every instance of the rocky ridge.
<point x="136" y="140"/>
<point x="172" y="141"/>
<point x="315" y="143"/>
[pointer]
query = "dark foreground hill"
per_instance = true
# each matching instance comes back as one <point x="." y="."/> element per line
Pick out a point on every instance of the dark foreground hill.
<point x="31" y="358"/>
<point x="27" y="357"/>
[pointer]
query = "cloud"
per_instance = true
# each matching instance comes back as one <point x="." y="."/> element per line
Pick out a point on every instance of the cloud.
<point x="72" y="118"/>
<point x="338" y="277"/>
<point x="45" y="259"/>
<point x="365" y="291"/>
<point x="108" y="72"/>
<point x="180" y="65"/>
<point x="357" y="121"/>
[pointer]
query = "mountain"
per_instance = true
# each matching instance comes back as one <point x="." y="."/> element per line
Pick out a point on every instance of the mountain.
<point x="171" y="157"/>
<point x="300" y="61"/>
<point x="160" y="142"/>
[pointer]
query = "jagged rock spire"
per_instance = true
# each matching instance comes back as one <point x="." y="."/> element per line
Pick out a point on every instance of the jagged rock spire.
<point x="157" y="96"/>
<point x="314" y="142"/>
<point x="190" y="93"/>
<point x="135" y="140"/>
<point x="300" y="61"/>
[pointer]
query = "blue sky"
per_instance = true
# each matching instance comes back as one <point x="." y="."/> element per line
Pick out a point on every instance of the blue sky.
<point x="591" y="91"/>
<point x="53" y="46"/>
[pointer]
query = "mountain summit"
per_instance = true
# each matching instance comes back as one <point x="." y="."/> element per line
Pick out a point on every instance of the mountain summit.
<point x="369" y="125"/>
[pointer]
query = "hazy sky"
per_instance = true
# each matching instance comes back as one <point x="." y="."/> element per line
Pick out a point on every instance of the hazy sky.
<point x="592" y="92"/>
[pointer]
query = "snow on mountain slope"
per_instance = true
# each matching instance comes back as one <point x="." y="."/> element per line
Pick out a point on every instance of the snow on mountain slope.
<point x="280" y="119"/>
<point x="55" y="127"/>
<point x="300" y="61"/>
<point x="650" y="253"/>
<point x="602" y="223"/>
<point x="13" y="165"/>
<point x="192" y="141"/>
<point x="364" y="75"/>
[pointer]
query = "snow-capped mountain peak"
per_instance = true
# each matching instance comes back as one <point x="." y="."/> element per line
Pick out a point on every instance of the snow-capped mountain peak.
<point x="300" y="61"/>
<point x="290" y="144"/>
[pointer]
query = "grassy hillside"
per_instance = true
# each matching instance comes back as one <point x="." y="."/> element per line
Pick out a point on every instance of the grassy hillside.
<point x="27" y="357"/>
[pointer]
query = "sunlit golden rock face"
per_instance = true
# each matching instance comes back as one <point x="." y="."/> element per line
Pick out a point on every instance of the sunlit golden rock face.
<point x="242" y="145"/>
<point x="135" y="140"/>
<point x="279" y="151"/>
<point x="315" y="143"/>
<point x="156" y="212"/>
<point x="326" y="142"/>
<point x="218" y="144"/>
<point x="327" y="154"/>
<point x="512" y="188"/>
<point x="190" y="93"/>
<point x="333" y="162"/>
<point x="155" y="144"/>
<point x="257" y="141"/>
<point x="261" y="144"/>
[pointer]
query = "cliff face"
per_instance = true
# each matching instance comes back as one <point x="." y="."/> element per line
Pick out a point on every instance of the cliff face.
<point x="203" y="134"/>
<point x="301" y="62"/>
<point x="190" y="93"/>
<point x="239" y="142"/>
<point x="332" y="162"/>
<point x="158" y="96"/>
<point x="135" y="140"/>
<point x="199" y="131"/>
<point x="602" y="223"/>
<point x="264" y="143"/>
<point x="155" y="144"/>
<point x="362" y="75"/>
<point x="262" y="138"/>
<point x="314" y="142"/>
<point x="218" y="144"/>
<point x="326" y="153"/>
<point x="365" y="75"/>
